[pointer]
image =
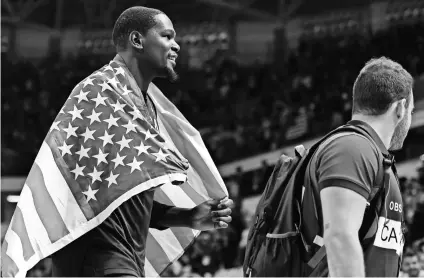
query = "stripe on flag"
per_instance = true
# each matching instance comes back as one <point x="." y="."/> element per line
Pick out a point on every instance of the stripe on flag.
<point x="168" y="242"/>
<point x="177" y="196"/>
<point x="18" y="227"/>
<point x="157" y="256"/>
<point x="179" y="142"/>
<point x="46" y="209"/>
<point x="193" y="194"/>
<point x="149" y="271"/>
<point x="37" y="233"/>
<point x="8" y="266"/>
<point x="197" y="182"/>
<point x="184" y="235"/>
<point x="162" y="198"/>
<point x="194" y="153"/>
<point x="58" y="188"/>
<point x="14" y="248"/>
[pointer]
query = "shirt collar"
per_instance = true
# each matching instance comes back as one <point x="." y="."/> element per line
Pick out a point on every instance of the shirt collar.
<point x="372" y="133"/>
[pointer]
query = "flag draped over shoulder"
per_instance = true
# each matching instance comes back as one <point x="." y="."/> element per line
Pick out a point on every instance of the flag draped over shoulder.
<point x="99" y="152"/>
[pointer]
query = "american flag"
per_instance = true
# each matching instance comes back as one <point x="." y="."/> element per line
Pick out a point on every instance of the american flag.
<point x="99" y="152"/>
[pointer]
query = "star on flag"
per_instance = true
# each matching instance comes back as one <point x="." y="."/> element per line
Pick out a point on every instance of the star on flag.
<point x="70" y="131"/>
<point x="99" y="100"/>
<point x="142" y="148"/>
<point x="111" y="121"/>
<point x="65" y="149"/>
<point x="124" y="143"/>
<point x="101" y="157"/>
<point x="108" y="67"/>
<point x="88" y="134"/>
<point x="126" y="90"/>
<point x="105" y="86"/>
<point x="113" y="82"/>
<point x="55" y="126"/>
<point x="160" y="156"/>
<point x="94" y="117"/>
<point x="118" y="106"/>
<point x="136" y="115"/>
<point x="88" y="81"/>
<point x="107" y="138"/>
<point x="83" y="152"/>
<point x="135" y="165"/>
<point x="95" y="175"/>
<point x="130" y="126"/>
<point x="82" y="96"/>
<point x="76" y="113"/>
<point x="149" y="135"/>
<point x="120" y="71"/>
<point x="90" y="193"/>
<point x="78" y="171"/>
<point x="118" y="160"/>
<point x="112" y="179"/>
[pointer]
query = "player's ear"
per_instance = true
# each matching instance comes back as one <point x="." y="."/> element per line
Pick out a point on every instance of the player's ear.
<point x="136" y="40"/>
<point x="400" y="108"/>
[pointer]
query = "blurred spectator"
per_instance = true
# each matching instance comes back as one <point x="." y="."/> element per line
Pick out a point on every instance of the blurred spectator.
<point x="416" y="227"/>
<point x="411" y="266"/>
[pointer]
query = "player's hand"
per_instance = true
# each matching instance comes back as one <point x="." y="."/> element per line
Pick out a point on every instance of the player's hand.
<point x="212" y="214"/>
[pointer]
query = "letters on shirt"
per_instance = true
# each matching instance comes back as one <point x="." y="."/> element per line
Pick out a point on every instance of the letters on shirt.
<point x="389" y="235"/>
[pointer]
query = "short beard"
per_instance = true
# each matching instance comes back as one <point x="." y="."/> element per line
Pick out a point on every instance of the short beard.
<point x="171" y="74"/>
<point x="399" y="136"/>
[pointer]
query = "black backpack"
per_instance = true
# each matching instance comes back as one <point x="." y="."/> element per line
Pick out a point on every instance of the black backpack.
<point x="275" y="245"/>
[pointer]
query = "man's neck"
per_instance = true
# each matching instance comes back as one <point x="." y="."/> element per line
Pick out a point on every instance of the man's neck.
<point x="142" y="77"/>
<point x="381" y="126"/>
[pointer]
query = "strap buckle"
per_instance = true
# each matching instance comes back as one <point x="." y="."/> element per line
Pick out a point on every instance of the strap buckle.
<point x="389" y="160"/>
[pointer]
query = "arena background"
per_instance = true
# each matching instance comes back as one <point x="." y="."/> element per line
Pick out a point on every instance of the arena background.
<point x="257" y="79"/>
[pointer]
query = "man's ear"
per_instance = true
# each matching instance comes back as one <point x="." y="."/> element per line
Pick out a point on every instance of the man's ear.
<point x="400" y="109"/>
<point x="136" y="40"/>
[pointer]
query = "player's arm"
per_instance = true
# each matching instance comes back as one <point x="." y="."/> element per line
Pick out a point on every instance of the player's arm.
<point x="212" y="214"/>
<point x="347" y="169"/>
<point x="343" y="211"/>
<point x="164" y="216"/>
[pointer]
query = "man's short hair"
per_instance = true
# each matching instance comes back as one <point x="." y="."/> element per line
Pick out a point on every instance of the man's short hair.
<point x="410" y="253"/>
<point x="136" y="18"/>
<point x="380" y="83"/>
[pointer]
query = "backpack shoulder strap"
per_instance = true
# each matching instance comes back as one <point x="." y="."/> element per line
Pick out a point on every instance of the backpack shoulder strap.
<point x="377" y="199"/>
<point x="386" y="165"/>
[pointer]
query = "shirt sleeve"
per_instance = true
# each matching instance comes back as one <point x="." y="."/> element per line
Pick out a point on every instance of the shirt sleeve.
<point x="349" y="161"/>
<point x="158" y="211"/>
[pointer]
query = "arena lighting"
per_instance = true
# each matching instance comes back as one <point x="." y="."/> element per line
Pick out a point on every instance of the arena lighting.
<point x="88" y="44"/>
<point x="415" y="12"/>
<point x="211" y="38"/>
<point x="223" y="36"/>
<point x="351" y="23"/>
<point x="13" y="198"/>
<point x="395" y="16"/>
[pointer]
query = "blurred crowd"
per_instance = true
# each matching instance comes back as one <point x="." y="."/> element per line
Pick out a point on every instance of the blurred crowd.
<point x="240" y="110"/>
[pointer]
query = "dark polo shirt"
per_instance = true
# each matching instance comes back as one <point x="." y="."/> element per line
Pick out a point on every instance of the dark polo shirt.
<point x="351" y="161"/>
